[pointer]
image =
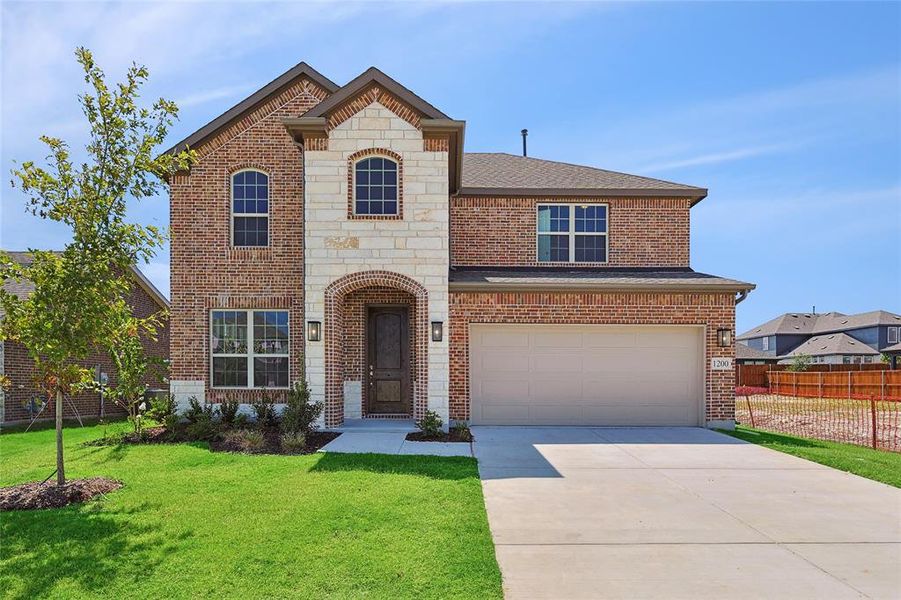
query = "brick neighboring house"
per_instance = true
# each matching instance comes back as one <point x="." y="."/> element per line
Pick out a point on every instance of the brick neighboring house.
<point x="342" y="232"/>
<point x="828" y="338"/>
<point x="16" y="402"/>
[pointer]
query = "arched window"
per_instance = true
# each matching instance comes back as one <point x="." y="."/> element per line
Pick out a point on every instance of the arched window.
<point x="375" y="186"/>
<point x="250" y="208"/>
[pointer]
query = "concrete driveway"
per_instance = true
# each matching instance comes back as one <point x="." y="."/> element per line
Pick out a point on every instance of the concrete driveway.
<point x="680" y="513"/>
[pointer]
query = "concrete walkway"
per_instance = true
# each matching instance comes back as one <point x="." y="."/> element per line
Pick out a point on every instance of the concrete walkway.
<point x="680" y="513"/>
<point x="387" y="436"/>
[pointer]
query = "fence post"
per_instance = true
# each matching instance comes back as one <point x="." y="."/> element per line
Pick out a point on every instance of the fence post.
<point x="750" y="411"/>
<point x="795" y="377"/>
<point x="820" y="383"/>
<point x="882" y="384"/>
<point x="873" y="419"/>
<point x="849" y="385"/>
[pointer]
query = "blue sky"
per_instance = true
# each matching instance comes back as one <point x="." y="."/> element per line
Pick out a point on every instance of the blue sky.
<point x="789" y="113"/>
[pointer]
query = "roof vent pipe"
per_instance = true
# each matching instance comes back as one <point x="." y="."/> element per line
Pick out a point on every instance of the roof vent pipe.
<point x="525" y="134"/>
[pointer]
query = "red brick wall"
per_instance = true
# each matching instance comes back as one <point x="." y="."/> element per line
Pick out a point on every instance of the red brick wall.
<point x="643" y="232"/>
<point x="20" y="370"/>
<point x="712" y="310"/>
<point x="207" y="272"/>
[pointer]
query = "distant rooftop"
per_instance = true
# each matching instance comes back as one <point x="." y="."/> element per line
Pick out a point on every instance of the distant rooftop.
<point x="833" y="343"/>
<point x="818" y="323"/>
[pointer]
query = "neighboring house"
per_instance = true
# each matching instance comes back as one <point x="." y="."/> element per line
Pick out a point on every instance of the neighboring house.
<point x="829" y="338"/>
<point x="340" y="233"/>
<point x="745" y="355"/>
<point x="22" y="400"/>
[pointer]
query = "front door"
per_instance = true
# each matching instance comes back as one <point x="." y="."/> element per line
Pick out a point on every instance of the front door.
<point x="388" y="360"/>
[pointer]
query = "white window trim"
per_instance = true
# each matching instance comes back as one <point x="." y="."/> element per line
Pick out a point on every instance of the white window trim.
<point x="250" y="355"/>
<point x="892" y="330"/>
<point x="231" y="208"/>
<point x="572" y="233"/>
<point x="353" y="184"/>
<point x="765" y="344"/>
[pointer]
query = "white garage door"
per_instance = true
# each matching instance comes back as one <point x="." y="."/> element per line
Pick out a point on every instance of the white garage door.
<point x="585" y="375"/>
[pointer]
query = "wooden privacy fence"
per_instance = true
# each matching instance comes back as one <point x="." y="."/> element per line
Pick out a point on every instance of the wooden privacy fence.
<point x="756" y="375"/>
<point x="855" y="407"/>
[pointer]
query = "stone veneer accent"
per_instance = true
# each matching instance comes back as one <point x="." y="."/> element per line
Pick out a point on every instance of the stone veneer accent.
<point x="409" y="253"/>
<point x="713" y="310"/>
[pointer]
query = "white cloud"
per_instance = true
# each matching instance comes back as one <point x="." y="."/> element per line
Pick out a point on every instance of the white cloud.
<point x="720" y="157"/>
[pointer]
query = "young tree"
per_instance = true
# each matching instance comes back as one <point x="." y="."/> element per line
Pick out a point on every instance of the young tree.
<point x="125" y="346"/>
<point x="800" y="363"/>
<point x="77" y="292"/>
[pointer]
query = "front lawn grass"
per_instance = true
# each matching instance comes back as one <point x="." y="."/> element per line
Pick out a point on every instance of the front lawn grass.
<point x="191" y="523"/>
<point x="879" y="465"/>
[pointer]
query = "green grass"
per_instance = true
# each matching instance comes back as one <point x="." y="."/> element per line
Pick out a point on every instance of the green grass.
<point x="191" y="523"/>
<point x="879" y="465"/>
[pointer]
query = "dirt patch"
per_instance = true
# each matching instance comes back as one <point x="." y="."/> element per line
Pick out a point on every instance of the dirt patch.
<point x="454" y="435"/>
<point x="33" y="496"/>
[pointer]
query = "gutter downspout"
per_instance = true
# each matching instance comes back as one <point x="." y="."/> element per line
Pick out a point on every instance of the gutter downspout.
<point x="741" y="296"/>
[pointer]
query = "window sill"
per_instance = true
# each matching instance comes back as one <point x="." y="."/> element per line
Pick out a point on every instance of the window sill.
<point x="249" y="252"/>
<point x="356" y="217"/>
<point x="571" y="264"/>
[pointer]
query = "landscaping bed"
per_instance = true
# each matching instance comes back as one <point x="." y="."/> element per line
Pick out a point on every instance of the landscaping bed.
<point x="34" y="495"/>
<point x="454" y="435"/>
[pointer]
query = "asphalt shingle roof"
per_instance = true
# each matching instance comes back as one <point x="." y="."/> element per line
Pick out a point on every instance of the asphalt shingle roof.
<point x="497" y="170"/>
<point x="833" y="343"/>
<point x="808" y="323"/>
<point x="588" y="278"/>
<point x="745" y="352"/>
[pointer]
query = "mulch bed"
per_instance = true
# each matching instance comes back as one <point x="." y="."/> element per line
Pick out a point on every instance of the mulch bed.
<point x="272" y="436"/>
<point x="33" y="496"/>
<point x="453" y="435"/>
<point x="222" y="442"/>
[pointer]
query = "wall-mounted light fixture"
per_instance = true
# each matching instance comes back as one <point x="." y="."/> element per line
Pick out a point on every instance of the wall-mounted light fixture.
<point x="314" y="331"/>
<point x="437" y="331"/>
<point x="724" y="337"/>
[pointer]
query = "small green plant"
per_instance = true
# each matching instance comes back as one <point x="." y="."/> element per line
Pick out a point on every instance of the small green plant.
<point x="228" y="411"/>
<point x="202" y="430"/>
<point x="800" y="363"/>
<point x="264" y="412"/>
<point x="430" y="424"/>
<point x="293" y="443"/>
<point x="241" y="421"/>
<point x="163" y="411"/>
<point x="462" y="431"/>
<point x="300" y="414"/>
<point x="245" y="440"/>
<point x="199" y="412"/>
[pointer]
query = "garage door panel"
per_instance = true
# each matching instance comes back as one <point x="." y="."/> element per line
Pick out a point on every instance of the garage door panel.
<point x="586" y="375"/>
<point x="500" y="361"/>
<point x="556" y="363"/>
<point x="616" y="338"/>
<point x="557" y="340"/>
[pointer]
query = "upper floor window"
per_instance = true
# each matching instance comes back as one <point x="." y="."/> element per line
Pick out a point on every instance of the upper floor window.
<point x="893" y="335"/>
<point x="375" y="186"/>
<point x="250" y="208"/>
<point x="249" y="348"/>
<point x="765" y="344"/>
<point x="575" y="233"/>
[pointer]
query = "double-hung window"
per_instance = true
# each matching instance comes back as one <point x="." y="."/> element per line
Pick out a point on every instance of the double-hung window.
<point x="249" y="348"/>
<point x="893" y="335"/>
<point x="572" y="233"/>
<point x="250" y="208"/>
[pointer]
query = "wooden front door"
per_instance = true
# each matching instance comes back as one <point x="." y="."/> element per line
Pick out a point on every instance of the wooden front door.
<point x="388" y="360"/>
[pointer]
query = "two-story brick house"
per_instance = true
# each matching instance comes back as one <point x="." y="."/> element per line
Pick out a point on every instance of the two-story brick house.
<point x="341" y="233"/>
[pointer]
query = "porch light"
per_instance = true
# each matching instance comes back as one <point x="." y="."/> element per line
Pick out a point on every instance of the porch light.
<point x="437" y="331"/>
<point x="724" y="337"/>
<point x="314" y="331"/>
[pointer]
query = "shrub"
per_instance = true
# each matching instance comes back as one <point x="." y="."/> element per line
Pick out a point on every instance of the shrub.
<point x="161" y="408"/>
<point x="293" y="443"/>
<point x="462" y="430"/>
<point x="747" y="390"/>
<point x="430" y="424"/>
<point x="199" y="412"/>
<point x="241" y="421"/>
<point x="228" y="410"/>
<point x="202" y="430"/>
<point x="800" y="363"/>
<point x="245" y="440"/>
<point x="300" y="414"/>
<point x="264" y="412"/>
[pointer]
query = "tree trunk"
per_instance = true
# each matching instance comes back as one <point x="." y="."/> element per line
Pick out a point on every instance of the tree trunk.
<point x="60" y="469"/>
